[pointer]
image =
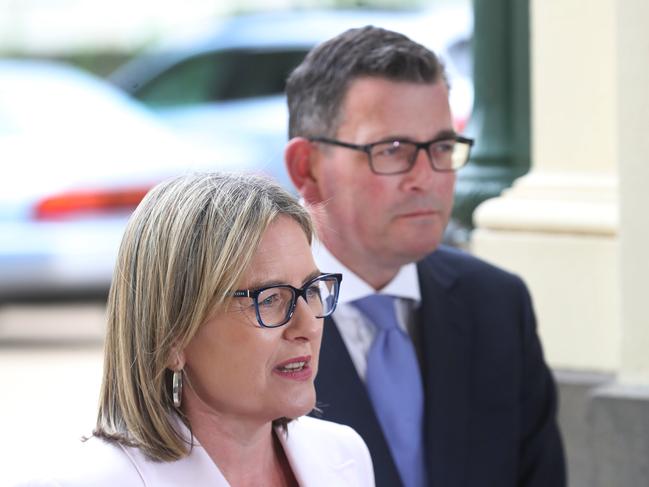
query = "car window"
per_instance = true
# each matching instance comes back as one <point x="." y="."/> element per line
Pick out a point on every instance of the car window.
<point x="223" y="75"/>
<point x="47" y="97"/>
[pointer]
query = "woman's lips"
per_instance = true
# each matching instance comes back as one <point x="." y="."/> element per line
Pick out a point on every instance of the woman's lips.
<point x="296" y="368"/>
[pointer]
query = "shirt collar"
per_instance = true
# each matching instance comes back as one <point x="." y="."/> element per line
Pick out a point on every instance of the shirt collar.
<point x="404" y="285"/>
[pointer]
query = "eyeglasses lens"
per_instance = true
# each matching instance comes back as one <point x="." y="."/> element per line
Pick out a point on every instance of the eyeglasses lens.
<point x="275" y="304"/>
<point x="399" y="156"/>
<point x="392" y="157"/>
<point x="321" y="296"/>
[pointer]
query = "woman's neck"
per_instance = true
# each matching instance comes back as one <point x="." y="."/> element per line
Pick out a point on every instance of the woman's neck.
<point x="247" y="452"/>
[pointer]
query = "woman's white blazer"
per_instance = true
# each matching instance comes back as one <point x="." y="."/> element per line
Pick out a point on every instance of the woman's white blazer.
<point x="321" y="454"/>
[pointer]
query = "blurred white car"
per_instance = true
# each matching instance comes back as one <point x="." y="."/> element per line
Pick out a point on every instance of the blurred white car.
<point x="228" y="79"/>
<point x="77" y="156"/>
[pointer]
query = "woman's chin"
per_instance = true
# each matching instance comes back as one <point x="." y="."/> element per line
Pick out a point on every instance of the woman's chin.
<point x="299" y="406"/>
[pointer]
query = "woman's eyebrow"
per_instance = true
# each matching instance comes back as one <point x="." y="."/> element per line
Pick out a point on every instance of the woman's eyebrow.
<point x="259" y="284"/>
<point x="277" y="282"/>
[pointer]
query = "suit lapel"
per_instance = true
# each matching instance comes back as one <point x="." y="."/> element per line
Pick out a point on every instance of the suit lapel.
<point x="445" y="338"/>
<point x="342" y="397"/>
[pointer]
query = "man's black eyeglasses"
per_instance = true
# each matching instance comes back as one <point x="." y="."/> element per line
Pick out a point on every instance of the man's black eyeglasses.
<point x="446" y="154"/>
<point x="275" y="305"/>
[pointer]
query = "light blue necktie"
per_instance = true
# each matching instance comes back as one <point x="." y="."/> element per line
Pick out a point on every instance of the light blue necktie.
<point x="395" y="387"/>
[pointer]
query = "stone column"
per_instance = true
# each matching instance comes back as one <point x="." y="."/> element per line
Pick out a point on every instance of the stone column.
<point x="619" y="413"/>
<point x="633" y="162"/>
<point x="558" y="225"/>
<point x="576" y="228"/>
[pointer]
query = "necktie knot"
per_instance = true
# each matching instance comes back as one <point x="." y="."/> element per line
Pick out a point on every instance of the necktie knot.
<point x="379" y="308"/>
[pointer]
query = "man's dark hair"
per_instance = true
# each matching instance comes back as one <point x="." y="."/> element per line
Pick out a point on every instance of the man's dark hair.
<point x="317" y="87"/>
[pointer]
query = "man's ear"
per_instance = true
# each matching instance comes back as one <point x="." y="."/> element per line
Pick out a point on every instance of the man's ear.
<point x="299" y="159"/>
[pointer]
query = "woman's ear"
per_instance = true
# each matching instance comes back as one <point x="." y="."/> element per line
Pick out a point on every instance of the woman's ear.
<point x="300" y="160"/>
<point x="176" y="358"/>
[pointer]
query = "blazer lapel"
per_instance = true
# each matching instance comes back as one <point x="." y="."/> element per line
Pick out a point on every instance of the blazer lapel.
<point x="342" y="398"/>
<point x="445" y="338"/>
<point x="316" y="460"/>
<point x="195" y="469"/>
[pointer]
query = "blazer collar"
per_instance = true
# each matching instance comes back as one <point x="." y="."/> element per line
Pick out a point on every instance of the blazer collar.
<point x="439" y="267"/>
<point x="197" y="468"/>
<point x="312" y="465"/>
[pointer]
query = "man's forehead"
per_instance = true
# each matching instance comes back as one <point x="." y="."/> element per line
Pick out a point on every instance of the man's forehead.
<point x="377" y="108"/>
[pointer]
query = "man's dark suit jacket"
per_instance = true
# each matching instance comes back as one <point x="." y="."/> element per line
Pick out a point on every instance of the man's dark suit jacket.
<point x="490" y="400"/>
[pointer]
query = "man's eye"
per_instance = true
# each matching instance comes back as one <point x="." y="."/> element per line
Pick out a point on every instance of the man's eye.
<point x="392" y="150"/>
<point x="443" y="146"/>
<point x="389" y="150"/>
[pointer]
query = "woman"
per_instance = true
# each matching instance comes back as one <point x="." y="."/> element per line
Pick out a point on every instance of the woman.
<point x="215" y="318"/>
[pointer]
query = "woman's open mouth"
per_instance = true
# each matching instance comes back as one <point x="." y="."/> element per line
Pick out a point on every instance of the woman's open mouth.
<point x="296" y="368"/>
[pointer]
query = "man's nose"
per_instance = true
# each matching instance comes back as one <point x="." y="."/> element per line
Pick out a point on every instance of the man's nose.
<point x="422" y="173"/>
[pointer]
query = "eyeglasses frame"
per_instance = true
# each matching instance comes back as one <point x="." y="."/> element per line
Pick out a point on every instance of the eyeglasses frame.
<point x="297" y="293"/>
<point x="367" y="148"/>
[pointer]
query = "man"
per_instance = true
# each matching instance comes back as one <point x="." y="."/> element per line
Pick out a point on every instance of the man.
<point x="432" y="355"/>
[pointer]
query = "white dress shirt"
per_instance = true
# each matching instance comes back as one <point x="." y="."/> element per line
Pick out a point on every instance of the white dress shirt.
<point x="356" y="331"/>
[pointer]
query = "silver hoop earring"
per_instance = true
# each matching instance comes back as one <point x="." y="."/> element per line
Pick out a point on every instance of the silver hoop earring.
<point x="177" y="387"/>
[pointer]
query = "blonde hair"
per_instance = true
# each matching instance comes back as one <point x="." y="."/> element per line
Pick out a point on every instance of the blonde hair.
<point x="184" y="250"/>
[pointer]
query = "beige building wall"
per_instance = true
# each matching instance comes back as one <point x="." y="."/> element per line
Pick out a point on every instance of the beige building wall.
<point x="574" y="226"/>
<point x="632" y="69"/>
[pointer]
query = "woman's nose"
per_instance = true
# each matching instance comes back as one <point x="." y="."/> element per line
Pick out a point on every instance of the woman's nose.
<point x="303" y="324"/>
